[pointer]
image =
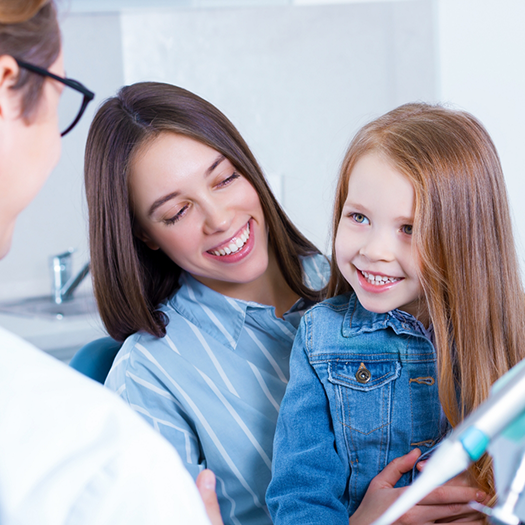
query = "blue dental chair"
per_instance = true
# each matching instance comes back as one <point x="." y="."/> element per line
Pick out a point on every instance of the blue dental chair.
<point x="95" y="358"/>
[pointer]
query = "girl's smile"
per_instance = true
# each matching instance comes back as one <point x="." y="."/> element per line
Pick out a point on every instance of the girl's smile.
<point x="373" y="244"/>
<point x="376" y="283"/>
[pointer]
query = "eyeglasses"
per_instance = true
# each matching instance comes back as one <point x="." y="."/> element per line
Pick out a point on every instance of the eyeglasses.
<point x="73" y="102"/>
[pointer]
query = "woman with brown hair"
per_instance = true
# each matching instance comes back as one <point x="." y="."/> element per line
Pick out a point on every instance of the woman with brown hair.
<point x="70" y="451"/>
<point x="196" y="266"/>
<point x="426" y="311"/>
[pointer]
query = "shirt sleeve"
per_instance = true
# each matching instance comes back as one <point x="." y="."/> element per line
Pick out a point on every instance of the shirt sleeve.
<point x="151" y="392"/>
<point x="308" y="477"/>
<point x="316" y="271"/>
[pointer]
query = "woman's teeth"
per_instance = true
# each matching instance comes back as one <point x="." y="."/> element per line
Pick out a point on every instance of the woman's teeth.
<point x="378" y="280"/>
<point x="235" y="245"/>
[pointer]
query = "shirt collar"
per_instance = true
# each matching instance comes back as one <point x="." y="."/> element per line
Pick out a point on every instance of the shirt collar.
<point x="212" y="312"/>
<point x="220" y="316"/>
<point x="358" y="321"/>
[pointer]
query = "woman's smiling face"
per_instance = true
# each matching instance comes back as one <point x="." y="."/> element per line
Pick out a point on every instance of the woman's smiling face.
<point x="190" y="202"/>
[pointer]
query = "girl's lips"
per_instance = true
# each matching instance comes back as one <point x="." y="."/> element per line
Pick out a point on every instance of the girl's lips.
<point x="246" y="236"/>
<point x="376" y="283"/>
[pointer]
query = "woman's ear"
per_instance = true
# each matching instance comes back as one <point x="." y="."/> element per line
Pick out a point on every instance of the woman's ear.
<point x="9" y="99"/>
<point x="144" y="237"/>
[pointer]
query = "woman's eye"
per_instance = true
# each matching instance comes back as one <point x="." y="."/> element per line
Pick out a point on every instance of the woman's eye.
<point x="177" y="216"/>
<point x="360" y="218"/>
<point x="229" y="179"/>
<point x="407" y="229"/>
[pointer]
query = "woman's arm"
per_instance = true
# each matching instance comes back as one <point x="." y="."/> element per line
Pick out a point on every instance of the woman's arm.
<point x="141" y="383"/>
<point x="308" y="477"/>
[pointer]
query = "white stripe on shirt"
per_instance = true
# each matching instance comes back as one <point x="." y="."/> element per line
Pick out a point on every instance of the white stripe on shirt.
<point x="237" y="418"/>
<point x="263" y="385"/>
<point x="267" y="354"/>
<point x="205" y="425"/>
<point x="214" y="360"/>
<point x="213" y="318"/>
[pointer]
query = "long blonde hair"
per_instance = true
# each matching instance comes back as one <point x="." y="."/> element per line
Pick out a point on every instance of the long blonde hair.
<point x="463" y="236"/>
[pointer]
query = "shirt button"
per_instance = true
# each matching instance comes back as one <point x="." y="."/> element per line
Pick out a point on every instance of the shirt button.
<point x="363" y="375"/>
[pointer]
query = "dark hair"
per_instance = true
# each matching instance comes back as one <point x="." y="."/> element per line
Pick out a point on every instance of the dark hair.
<point x="29" y="31"/>
<point x="129" y="279"/>
<point x="469" y="268"/>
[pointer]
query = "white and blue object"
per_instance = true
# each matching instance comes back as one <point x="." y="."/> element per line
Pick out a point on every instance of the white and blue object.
<point x="500" y="417"/>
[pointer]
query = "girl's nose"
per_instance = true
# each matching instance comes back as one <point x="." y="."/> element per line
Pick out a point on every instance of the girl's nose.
<point x="377" y="247"/>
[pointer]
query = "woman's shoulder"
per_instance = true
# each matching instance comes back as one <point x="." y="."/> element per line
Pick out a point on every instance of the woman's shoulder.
<point x="316" y="270"/>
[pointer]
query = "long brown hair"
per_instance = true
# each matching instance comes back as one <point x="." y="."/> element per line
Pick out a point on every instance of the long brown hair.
<point x="130" y="280"/>
<point x="469" y="268"/>
<point x="29" y="31"/>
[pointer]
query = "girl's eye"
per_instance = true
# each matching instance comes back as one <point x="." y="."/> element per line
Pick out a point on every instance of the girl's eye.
<point x="360" y="218"/>
<point x="175" y="218"/>
<point x="229" y="179"/>
<point x="407" y="229"/>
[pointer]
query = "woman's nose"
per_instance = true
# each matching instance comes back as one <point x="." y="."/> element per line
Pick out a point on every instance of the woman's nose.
<point x="217" y="217"/>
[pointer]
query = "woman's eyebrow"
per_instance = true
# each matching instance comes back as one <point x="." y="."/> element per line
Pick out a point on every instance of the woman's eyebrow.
<point x="217" y="161"/>
<point x="159" y="202"/>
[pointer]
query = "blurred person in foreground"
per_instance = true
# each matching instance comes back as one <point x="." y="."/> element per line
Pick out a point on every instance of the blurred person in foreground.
<point x="70" y="450"/>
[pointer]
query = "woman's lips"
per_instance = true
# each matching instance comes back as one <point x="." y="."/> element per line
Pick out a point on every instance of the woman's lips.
<point x="234" y="244"/>
<point x="243" y="243"/>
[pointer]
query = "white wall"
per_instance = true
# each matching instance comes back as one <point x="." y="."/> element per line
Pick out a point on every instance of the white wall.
<point x="482" y="70"/>
<point x="296" y="81"/>
<point x="56" y="219"/>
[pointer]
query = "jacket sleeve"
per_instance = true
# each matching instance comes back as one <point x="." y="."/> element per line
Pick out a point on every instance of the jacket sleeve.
<point x="308" y="477"/>
<point x="146" y="388"/>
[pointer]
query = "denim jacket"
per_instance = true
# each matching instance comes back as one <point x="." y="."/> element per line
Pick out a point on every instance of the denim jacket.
<point x="363" y="391"/>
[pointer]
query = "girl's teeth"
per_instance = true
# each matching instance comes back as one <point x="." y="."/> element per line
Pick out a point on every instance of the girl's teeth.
<point x="378" y="280"/>
<point x="236" y="245"/>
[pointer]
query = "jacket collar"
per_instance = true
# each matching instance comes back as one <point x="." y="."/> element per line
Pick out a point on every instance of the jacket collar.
<point x="358" y="321"/>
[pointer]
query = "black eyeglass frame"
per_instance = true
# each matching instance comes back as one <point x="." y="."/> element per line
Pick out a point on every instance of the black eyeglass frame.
<point x="73" y="84"/>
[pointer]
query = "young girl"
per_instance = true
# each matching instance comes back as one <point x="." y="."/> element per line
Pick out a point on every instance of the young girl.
<point x="425" y="312"/>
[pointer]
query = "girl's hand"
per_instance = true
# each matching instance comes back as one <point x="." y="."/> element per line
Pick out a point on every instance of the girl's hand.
<point x="446" y="504"/>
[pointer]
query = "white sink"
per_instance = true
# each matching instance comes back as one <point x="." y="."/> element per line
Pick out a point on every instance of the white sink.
<point x="44" y="307"/>
<point x="59" y="330"/>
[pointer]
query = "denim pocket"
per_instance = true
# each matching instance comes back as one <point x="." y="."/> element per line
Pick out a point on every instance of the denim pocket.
<point x="364" y="390"/>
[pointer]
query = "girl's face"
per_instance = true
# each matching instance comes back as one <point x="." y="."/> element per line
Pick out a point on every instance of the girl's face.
<point x="190" y="202"/>
<point x="29" y="149"/>
<point x="373" y="243"/>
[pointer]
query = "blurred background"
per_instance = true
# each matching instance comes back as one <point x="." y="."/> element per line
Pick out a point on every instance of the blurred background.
<point x="297" y="78"/>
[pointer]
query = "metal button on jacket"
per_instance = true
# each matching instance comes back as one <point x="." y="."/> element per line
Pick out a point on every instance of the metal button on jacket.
<point x="363" y="375"/>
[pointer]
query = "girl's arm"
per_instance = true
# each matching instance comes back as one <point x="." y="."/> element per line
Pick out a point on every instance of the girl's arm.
<point x="447" y="504"/>
<point x="308" y="477"/>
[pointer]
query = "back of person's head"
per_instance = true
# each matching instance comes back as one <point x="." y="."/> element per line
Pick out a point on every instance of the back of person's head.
<point x="130" y="279"/>
<point x="29" y="31"/>
<point x="463" y="239"/>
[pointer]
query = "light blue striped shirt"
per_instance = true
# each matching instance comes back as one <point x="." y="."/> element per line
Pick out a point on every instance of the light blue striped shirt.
<point x="213" y="385"/>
